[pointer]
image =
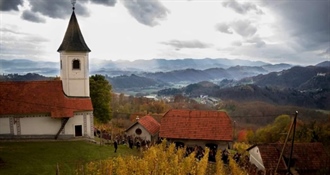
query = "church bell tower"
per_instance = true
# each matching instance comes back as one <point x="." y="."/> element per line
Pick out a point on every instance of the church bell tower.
<point x="74" y="60"/>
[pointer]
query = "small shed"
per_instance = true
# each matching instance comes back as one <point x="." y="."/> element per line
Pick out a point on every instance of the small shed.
<point x="307" y="158"/>
<point x="145" y="128"/>
<point x="197" y="128"/>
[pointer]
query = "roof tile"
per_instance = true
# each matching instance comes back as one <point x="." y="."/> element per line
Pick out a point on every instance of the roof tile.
<point x="39" y="97"/>
<point x="196" y="124"/>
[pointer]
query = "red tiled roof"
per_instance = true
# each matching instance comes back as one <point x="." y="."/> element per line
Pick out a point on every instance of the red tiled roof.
<point x="196" y="124"/>
<point x="39" y="97"/>
<point x="149" y="123"/>
<point x="306" y="156"/>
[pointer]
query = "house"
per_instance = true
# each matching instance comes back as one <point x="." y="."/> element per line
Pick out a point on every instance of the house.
<point x="197" y="127"/>
<point x="145" y="128"/>
<point x="52" y="109"/>
<point x="307" y="158"/>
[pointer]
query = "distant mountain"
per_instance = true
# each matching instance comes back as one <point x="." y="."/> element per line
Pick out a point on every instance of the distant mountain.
<point x="22" y="66"/>
<point x="295" y="77"/>
<point x="297" y="86"/>
<point x="324" y="64"/>
<point x="133" y="82"/>
<point x="166" y="65"/>
<point x="123" y="67"/>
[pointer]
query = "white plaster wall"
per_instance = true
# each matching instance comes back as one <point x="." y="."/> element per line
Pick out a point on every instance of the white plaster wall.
<point x="70" y="126"/>
<point x="4" y="126"/>
<point x="255" y="158"/>
<point x="90" y="130"/>
<point x="39" y="125"/>
<point x="144" y="135"/>
<point x="70" y="77"/>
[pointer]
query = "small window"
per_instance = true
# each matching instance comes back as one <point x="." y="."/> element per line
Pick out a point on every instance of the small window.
<point x="61" y="64"/>
<point x="76" y="64"/>
<point x="138" y="131"/>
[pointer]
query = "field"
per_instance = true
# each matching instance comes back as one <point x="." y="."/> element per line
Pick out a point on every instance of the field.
<point x="44" y="157"/>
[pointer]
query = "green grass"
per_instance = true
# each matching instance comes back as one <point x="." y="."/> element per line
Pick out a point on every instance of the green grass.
<point x="42" y="157"/>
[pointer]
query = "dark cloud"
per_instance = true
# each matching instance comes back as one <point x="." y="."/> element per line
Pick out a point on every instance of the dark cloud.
<point x="244" y="28"/>
<point x="33" y="17"/>
<point x="307" y="22"/>
<point x="224" y="28"/>
<point x="58" y="9"/>
<point x="187" y="44"/>
<point x="257" y="41"/>
<point x="7" y="5"/>
<point x="146" y="12"/>
<point x="105" y="2"/>
<point x="242" y="8"/>
<point x="241" y="27"/>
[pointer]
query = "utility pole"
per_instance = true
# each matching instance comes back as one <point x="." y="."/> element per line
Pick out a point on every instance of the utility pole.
<point x="293" y="124"/>
<point x="292" y="142"/>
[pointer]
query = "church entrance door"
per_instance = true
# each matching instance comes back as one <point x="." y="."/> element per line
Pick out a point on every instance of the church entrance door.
<point x="78" y="130"/>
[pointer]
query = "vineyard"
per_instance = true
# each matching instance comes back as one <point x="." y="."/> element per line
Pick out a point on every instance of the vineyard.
<point x="165" y="158"/>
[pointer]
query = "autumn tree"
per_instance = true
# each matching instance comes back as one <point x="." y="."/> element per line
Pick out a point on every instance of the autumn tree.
<point x="100" y="92"/>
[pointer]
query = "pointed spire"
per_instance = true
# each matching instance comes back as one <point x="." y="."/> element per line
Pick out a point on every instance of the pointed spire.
<point x="73" y="39"/>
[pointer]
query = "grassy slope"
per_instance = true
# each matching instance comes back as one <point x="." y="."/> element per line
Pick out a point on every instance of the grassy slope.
<point x="27" y="158"/>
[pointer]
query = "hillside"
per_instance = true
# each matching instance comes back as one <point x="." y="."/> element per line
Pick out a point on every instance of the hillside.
<point x="297" y="86"/>
<point x="294" y="77"/>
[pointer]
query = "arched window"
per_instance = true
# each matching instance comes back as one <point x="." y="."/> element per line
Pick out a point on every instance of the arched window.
<point x="75" y="64"/>
<point x="138" y="131"/>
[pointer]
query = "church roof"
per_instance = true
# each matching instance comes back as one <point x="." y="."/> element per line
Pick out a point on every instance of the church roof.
<point x="196" y="124"/>
<point x="73" y="39"/>
<point x="40" y="97"/>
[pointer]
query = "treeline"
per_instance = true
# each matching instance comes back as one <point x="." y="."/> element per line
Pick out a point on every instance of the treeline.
<point x="26" y="77"/>
<point x="276" y="132"/>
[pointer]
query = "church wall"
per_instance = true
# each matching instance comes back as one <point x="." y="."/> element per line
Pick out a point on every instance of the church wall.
<point x="39" y="126"/>
<point x="85" y="119"/>
<point x="4" y="126"/>
<point x="70" y="126"/>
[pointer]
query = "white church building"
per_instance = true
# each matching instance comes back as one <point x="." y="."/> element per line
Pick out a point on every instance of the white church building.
<point x="57" y="109"/>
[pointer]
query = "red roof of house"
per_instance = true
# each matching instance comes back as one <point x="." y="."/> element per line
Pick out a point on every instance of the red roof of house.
<point x="40" y="97"/>
<point x="149" y="123"/>
<point x="306" y="156"/>
<point x="196" y="124"/>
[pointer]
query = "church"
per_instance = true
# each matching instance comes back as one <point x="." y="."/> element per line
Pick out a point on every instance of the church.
<point x="56" y="109"/>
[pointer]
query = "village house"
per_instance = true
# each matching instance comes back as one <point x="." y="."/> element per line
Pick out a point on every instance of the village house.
<point x="192" y="128"/>
<point x="52" y="109"/>
<point x="307" y="158"/>
<point x="145" y="128"/>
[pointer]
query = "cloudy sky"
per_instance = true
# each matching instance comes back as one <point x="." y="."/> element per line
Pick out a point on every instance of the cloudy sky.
<point x="274" y="31"/>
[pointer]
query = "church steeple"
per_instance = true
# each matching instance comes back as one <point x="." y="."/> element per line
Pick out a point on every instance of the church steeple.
<point x="74" y="60"/>
<point x="73" y="39"/>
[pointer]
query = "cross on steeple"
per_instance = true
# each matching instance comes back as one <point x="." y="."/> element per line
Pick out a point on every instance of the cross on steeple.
<point x="73" y="2"/>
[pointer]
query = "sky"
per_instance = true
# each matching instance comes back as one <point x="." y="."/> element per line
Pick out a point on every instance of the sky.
<point x="273" y="31"/>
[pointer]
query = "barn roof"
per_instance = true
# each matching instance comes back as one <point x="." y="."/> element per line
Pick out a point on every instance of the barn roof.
<point x="39" y="97"/>
<point x="149" y="123"/>
<point x="73" y="39"/>
<point x="196" y="124"/>
<point x="306" y="156"/>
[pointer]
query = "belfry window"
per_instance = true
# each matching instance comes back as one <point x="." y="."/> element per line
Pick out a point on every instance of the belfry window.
<point x="75" y="64"/>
